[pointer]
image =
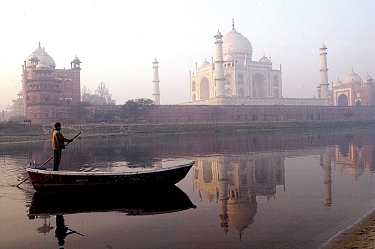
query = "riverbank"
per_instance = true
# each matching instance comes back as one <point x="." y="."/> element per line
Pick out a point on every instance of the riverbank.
<point x="360" y="235"/>
<point x="21" y="132"/>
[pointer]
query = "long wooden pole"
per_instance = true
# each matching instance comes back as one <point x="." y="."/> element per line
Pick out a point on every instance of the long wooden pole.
<point x="49" y="159"/>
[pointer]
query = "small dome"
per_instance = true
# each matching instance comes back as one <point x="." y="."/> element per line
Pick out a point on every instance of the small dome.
<point x="218" y="34"/>
<point x="34" y="58"/>
<point x="264" y="59"/>
<point x="235" y="43"/>
<point x="338" y="83"/>
<point x="368" y="80"/>
<point x="205" y="63"/>
<point x="76" y="60"/>
<point x="323" y="47"/>
<point x="39" y="53"/>
<point x="353" y="78"/>
<point x="229" y="57"/>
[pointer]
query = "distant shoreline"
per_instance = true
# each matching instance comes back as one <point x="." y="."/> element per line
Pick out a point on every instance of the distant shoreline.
<point x="23" y="133"/>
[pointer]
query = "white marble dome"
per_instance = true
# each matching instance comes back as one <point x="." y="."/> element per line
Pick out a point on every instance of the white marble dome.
<point x="235" y="43"/>
<point x="264" y="59"/>
<point x="338" y="83"/>
<point x="205" y="63"/>
<point x="229" y="57"/>
<point x="353" y="78"/>
<point x="42" y="56"/>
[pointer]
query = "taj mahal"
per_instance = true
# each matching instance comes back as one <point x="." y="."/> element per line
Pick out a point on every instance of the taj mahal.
<point x="234" y="78"/>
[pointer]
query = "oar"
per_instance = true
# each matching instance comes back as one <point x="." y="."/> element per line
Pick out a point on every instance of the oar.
<point x="49" y="159"/>
<point x="72" y="231"/>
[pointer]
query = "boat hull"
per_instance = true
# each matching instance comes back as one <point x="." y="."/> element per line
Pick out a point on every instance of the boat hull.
<point x="68" y="181"/>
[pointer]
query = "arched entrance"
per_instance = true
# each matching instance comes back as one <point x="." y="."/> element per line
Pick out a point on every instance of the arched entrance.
<point x="259" y="88"/>
<point x="204" y="89"/>
<point x="342" y="100"/>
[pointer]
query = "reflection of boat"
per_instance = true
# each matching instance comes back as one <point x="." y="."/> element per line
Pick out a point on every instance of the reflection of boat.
<point x="142" y="201"/>
<point x="45" y="180"/>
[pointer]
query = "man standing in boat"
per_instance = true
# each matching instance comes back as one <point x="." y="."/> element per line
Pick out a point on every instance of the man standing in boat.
<point x="58" y="144"/>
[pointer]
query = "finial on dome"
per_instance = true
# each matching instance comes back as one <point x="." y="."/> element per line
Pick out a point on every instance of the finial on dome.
<point x="232" y="23"/>
<point x="39" y="43"/>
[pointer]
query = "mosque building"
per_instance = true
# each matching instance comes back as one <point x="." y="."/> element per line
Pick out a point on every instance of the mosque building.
<point x="353" y="91"/>
<point x="47" y="92"/>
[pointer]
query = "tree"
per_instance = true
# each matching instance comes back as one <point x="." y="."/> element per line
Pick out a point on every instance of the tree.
<point x="103" y="92"/>
<point x="100" y="97"/>
<point x="136" y="108"/>
<point x="78" y="110"/>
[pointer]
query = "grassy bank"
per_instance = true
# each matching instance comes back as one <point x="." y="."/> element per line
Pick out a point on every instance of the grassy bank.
<point x="15" y="133"/>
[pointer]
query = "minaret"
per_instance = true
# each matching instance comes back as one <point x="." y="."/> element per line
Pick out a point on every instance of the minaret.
<point x="219" y="68"/>
<point x="75" y="65"/>
<point x="323" y="73"/>
<point x="155" y="82"/>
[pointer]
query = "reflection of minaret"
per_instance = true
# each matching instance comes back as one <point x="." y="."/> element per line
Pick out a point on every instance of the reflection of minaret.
<point x="155" y="82"/>
<point x="326" y="161"/>
<point x="223" y="195"/>
<point x="219" y="67"/>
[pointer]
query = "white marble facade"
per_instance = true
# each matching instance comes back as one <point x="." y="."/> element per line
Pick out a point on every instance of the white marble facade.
<point x="243" y="76"/>
<point x="234" y="78"/>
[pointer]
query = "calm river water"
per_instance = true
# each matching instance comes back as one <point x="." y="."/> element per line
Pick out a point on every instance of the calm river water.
<point x="245" y="191"/>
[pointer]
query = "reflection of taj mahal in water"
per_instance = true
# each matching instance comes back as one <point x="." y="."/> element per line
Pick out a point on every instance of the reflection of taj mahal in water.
<point x="236" y="181"/>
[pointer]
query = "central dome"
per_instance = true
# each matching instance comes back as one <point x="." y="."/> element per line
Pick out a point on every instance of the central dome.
<point x="353" y="78"/>
<point x="235" y="43"/>
<point x="42" y="56"/>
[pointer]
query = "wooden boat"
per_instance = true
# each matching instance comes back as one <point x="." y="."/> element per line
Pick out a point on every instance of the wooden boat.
<point x="132" y="202"/>
<point x="46" y="180"/>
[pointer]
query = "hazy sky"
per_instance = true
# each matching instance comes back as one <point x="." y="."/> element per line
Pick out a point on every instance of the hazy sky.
<point x="117" y="41"/>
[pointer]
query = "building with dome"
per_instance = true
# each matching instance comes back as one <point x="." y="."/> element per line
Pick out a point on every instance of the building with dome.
<point x="47" y="92"/>
<point x="234" y="78"/>
<point x="354" y="91"/>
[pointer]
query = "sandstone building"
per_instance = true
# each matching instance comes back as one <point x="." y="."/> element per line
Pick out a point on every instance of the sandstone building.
<point x="353" y="91"/>
<point x="47" y="92"/>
